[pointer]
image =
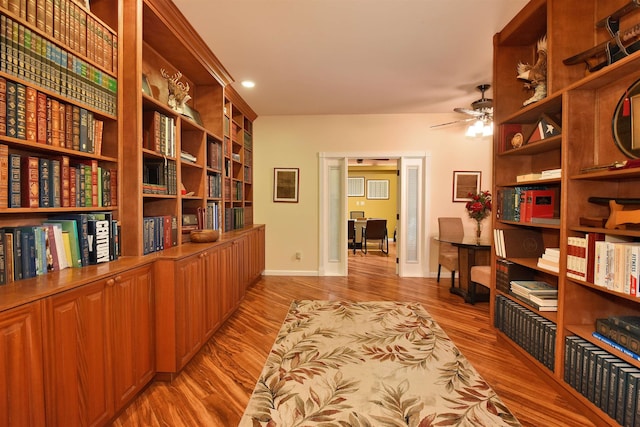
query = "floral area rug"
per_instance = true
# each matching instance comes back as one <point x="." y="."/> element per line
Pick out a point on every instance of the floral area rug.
<point x="357" y="364"/>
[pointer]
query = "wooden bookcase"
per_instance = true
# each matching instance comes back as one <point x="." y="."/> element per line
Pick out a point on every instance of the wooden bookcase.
<point x="217" y="178"/>
<point x="584" y="104"/>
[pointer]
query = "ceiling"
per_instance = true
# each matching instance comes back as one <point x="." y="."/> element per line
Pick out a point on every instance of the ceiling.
<point x="311" y="57"/>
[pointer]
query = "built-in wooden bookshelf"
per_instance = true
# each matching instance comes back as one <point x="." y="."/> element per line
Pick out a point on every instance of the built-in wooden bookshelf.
<point x="584" y="105"/>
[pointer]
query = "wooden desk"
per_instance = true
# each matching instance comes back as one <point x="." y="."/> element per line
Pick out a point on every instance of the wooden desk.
<point x="471" y="251"/>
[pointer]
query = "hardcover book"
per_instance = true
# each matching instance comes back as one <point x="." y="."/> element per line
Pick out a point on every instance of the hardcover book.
<point x="44" y="178"/>
<point x="30" y="187"/>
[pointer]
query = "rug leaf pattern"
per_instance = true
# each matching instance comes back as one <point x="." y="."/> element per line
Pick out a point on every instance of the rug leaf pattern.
<point x="362" y="364"/>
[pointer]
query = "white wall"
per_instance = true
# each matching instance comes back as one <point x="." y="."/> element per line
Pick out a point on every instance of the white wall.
<point x="295" y="141"/>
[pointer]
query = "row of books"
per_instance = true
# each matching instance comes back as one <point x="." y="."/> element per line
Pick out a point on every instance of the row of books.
<point x="160" y="133"/>
<point x="609" y="382"/>
<point x="159" y="233"/>
<point x="507" y="271"/>
<point x="526" y="204"/>
<point x="621" y="332"/>
<point x="237" y="190"/>
<point x="233" y="218"/>
<point x="518" y="243"/>
<point x="214" y="152"/>
<point x="43" y="182"/>
<point x="70" y="24"/>
<point x="64" y="241"/>
<point x="247" y="174"/>
<point x="214" y="185"/>
<point x="535" y="334"/>
<point x="29" y="56"/>
<point x="605" y="260"/>
<point x="212" y="220"/>
<point x="159" y="177"/>
<point x="31" y="115"/>
<point x="538" y="294"/>
<point x="550" y="260"/>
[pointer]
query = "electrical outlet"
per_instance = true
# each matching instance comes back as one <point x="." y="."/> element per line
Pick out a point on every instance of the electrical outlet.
<point x="298" y="255"/>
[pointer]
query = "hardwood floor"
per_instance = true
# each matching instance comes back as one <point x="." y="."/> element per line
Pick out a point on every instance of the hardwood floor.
<point x="215" y="387"/>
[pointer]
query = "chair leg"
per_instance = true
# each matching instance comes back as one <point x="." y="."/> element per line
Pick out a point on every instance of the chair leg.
<point x="453" y="279"/>
<point x="438" y="279"/>
<point x="382" y="243"/>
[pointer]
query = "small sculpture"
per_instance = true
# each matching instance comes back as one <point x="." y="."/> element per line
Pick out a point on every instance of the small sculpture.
<point x="178" y="91"/>
<point x="535" y="75"/>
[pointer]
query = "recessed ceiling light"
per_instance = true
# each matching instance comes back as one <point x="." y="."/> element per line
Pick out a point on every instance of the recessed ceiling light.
<point x="248" y="83"/>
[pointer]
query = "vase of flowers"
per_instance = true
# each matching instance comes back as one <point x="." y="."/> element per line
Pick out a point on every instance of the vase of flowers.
<point x="479" y="208"/>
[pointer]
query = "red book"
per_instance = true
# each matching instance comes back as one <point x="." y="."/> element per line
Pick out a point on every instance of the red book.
<point x="30" y="182"/>
<point x="4" y="176"/>
<point x="167" y="231"/>
<point x="41" y="118"/>
<point x="62" y="121"/>
<point x="524" y="206"/>
<point x="97" y="136"/>
<point x="55" y="123"/>
<point x="3" y="106"/>
<point x="31" y="120"/>
<point x="541" y="204"/>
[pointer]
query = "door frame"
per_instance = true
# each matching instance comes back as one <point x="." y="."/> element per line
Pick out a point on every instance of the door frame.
<point x="335" y="164"/>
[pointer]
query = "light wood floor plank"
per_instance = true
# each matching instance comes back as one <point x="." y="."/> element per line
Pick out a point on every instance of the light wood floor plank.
<point x="214" y="388"/>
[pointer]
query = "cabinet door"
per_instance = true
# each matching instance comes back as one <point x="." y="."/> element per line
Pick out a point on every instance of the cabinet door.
<point x="228" y="274"/>
<point x="131" y="302"/>
<point x="22" y="402"/>
<point x="190" y="306"/>
<point x="213" y="304"/>
<point x="78" y="362"/>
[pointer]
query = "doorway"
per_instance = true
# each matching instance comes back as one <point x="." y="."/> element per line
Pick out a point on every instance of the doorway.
<point x="412" y="228"/>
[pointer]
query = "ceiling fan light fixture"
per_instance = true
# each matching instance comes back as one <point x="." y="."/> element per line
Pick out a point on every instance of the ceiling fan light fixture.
<point x="480" y="128"/>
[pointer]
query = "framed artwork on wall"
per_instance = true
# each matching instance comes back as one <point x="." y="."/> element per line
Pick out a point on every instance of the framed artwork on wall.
<point x="356" y="186"/>
<point x="378" y="189"/>
<point x="465" y="182"/>
<point x="285" y="184"/>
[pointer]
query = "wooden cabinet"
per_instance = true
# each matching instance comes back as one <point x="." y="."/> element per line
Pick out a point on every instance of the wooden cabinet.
<point x="197" y="291"/>
<point x="98" y="348"/>
<point x="132" y="317"/>
<point x="78" y="364"/>
<point x="22" y="383"/>
<point x="583" y="105"/>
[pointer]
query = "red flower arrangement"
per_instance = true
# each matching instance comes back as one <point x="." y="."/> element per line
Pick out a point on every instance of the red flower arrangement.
<point x="479" y="206"/>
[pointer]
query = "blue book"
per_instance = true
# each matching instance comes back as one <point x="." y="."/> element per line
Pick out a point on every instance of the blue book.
<point x="616" y="346"/>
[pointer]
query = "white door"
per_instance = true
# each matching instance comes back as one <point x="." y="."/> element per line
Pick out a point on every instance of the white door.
<point x="411" y="247"/>
<point x="333" y="224"/>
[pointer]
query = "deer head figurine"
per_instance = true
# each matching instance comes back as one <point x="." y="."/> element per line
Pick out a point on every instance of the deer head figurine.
<point x="178" y="91"/>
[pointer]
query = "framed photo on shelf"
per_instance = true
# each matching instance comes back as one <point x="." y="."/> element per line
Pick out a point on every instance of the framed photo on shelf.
<point x="285" y="184"/>
<point x="465" y="182"/>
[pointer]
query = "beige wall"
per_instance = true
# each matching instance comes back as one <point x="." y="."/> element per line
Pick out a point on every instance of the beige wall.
<point x="295" y="141"/>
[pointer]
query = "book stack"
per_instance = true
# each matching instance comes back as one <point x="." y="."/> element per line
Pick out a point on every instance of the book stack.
<point x="551" y="173"/>
<point x="609" y="382"/>
<point x="550" y="259"/>
<point x="538" y="294"/>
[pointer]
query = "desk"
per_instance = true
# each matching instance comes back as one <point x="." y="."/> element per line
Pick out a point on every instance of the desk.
<point x="471" y="251"/>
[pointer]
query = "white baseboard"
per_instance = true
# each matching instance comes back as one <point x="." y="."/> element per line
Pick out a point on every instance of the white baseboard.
<point x="289" y="273"/>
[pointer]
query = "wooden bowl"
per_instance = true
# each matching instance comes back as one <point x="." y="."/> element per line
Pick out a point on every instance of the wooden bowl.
<point x="204" y="236"/>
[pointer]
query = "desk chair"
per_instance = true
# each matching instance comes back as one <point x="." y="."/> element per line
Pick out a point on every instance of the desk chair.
<point x="376" y="229"/>
<point x="356" y="214"/>
<point x="447" y="253"/>
<point x="351" y="233"/>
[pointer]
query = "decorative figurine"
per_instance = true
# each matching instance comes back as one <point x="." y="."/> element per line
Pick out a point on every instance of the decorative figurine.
<point x="178" y="91"/>
<point x="535" y="75"/>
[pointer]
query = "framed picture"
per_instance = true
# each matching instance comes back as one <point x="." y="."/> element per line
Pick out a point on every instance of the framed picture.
<point x="355" y="186"/>
<point x="285" y="184"/>
<point x="378" y="189"/>
<point x="465" y="182"/>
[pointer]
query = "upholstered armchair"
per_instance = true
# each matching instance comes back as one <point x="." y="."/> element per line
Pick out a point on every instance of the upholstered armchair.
<point x="449" y="228"/>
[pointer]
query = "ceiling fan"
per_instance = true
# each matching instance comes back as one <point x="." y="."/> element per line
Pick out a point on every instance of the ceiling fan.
<point x="481" y="112"/>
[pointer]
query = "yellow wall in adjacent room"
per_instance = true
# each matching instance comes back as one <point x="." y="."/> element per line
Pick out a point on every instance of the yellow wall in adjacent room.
<point x="373" y="208"/>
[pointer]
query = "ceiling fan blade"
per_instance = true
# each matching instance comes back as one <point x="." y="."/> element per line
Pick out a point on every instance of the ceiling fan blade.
<point x="454" y="122"/>
<point x="468" y="111"/>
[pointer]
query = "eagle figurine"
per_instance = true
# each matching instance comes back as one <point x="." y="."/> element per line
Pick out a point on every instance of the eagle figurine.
<point x="535" y="75"/>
